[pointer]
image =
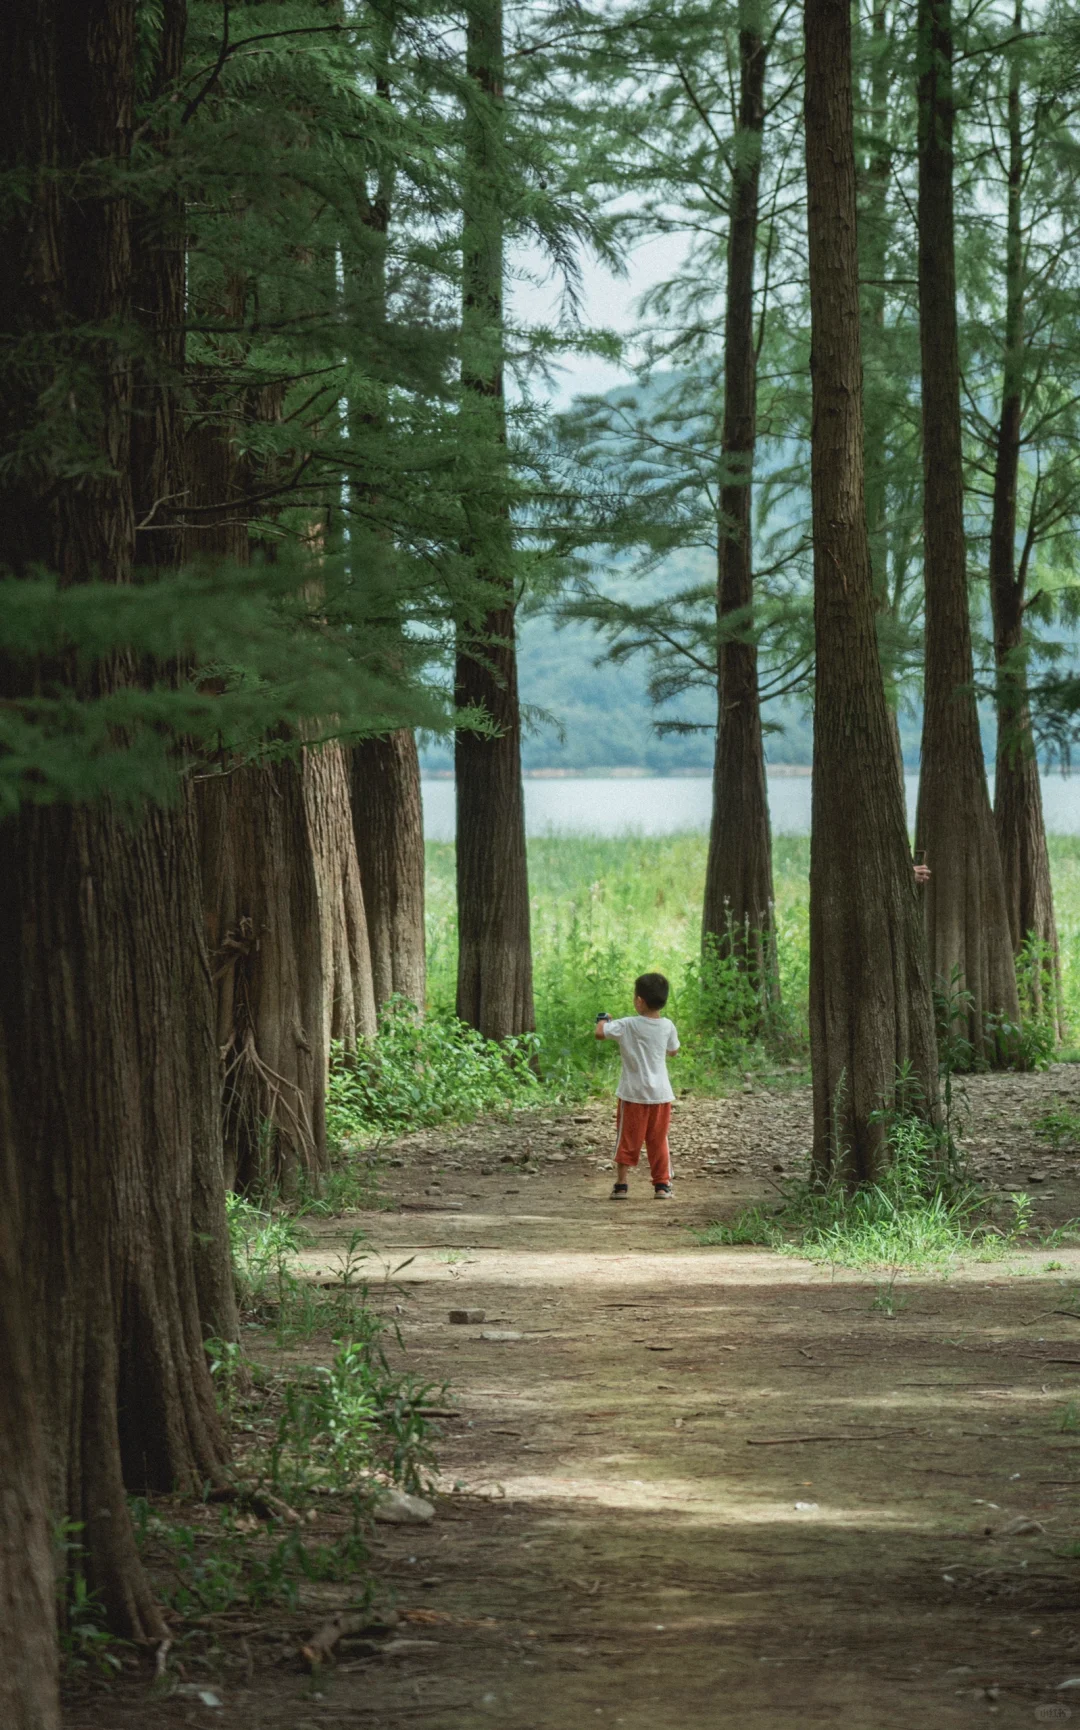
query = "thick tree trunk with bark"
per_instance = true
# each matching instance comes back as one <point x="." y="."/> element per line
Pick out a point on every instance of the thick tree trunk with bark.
<point x="105" y="1001"/>
<point x="494" y="984"/>
<point x="107" y="1028"/>
<point x="738" y="909"/>
<point x="966" y="918"/>
<point x="159" y="472"/>
<point x="106" y="1014"/>
<point x="264" y="895"/>
<point x="1018" y="812"/>
<point x="873" y="238"/>
<point x="871" y="1016"/>
<point x="261" y="902"/>
<point x="282" y="898"/>
<point x="28" y="1693"/>
<point x="388" y="821"/>
<point x="347" y="988"/>
<point x="494" y="989"/>
<point x="878" y="410"/>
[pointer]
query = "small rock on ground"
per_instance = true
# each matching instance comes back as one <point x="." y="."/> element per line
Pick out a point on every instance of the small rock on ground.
<point x="395" y="1508"/>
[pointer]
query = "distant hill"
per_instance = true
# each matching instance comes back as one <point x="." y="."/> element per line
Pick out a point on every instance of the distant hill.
<point x="603" y="714"/>
<point x="588" y="715"/>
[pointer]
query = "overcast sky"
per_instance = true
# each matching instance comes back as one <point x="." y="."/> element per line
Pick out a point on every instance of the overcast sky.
<point x="608" y="301"/>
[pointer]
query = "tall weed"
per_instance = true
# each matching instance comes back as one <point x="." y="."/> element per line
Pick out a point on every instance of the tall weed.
<point x="604" y="911"/>
<point x="921" y="1212"/>
<point x="427" y="1071"/>
<point x="341" y="1429"/>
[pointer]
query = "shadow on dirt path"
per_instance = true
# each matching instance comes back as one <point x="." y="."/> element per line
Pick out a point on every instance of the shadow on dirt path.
<point x="717" y="1487"/>
<point x="704" y="1486"/>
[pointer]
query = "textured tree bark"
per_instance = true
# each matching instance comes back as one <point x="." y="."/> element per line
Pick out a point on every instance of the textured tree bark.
<point x="494" y="989"/>
<point x="966" y="918"/>
<point x="388" y="821"/>
<point x="871" y="1016"/>
<point x="348" y="992"/>
<point x="281" y="893"/>
<point x="873" y="238"/>
<point x="106" y="1019"/>
<point x="28" y="1692"/>
<point x="738" y="908"/>
<point x="1018" y="812"/>
<point x="104" y="1003"/>
<point x="261" y="902"/>
<point x="494" y="983"/>
<point x="874" y="245"/>
<point x="158" y="287"/>
<point x="159" y="472"/>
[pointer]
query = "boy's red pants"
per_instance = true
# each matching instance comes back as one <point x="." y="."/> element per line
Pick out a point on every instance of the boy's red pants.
<point x="648" y="1124"/>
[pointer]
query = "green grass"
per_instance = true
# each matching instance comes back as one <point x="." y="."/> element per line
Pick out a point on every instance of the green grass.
<point x="1065" y="871"/>
<point x="604" y="911"/>
<point x="1059" y="1125"/>
<point x="313" y="1442"/>
<point x="922" y="1213"/>
<point x="419" y="1072"/>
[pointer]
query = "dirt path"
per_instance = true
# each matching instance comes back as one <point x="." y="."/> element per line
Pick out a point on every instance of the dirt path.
<point x="695" y="1486"/>
<point x="629" y="1516"/>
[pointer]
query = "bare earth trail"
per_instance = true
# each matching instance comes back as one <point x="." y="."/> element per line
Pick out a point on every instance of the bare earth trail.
<point x="623" y="1484"/>
<point x="718" y="1487"/>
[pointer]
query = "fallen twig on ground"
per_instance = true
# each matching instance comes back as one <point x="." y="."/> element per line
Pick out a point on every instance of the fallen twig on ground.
<point x="339" y="1627"/>
<point x="260" y="1502"/>
<point x="795" y="1441"/>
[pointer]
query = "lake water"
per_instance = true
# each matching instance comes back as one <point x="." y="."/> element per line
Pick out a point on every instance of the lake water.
<point x="663" y="806"/>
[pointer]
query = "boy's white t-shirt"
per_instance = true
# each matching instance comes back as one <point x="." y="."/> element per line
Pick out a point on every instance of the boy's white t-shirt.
<point x="644" y="1045"/>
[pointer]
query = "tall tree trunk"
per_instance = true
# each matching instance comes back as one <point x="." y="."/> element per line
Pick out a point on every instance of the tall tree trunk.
<point x="494" y="982"/>
<point x="158" y="477"/>
<point x="347" y="985"/>
<point x="281" y="889"/>
<point x="28" y="1693"/>
<point x="1018" y="813"/>
<point x="285" y="925"/>
<point x="106" y="1017"/>
<point x="261" y="902"/>
<point x="738" y="910"/>
<point x="388" y="817"/>
<point x="966" y="919"/>
<point x="873" y="239"/>
<point x="388" y="820"/>
<point x="878" y="409"/>
<point x="260" y="897"/>
<point x="104" y="1005"/>
<point x="871" y="1016"/>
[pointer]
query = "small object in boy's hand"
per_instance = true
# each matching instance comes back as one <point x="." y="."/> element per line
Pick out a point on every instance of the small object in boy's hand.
<point x="603" y="1015"/>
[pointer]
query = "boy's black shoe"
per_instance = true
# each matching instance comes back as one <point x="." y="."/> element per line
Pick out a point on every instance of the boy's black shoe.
<point x="661" y="1191"/>
<point x="620" y="1192"/>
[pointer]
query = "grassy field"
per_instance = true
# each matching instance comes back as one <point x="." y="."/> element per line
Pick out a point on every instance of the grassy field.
<point x="605" y="910"/>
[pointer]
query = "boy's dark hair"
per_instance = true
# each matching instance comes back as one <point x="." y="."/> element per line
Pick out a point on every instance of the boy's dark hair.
<point x="653" y="989"/>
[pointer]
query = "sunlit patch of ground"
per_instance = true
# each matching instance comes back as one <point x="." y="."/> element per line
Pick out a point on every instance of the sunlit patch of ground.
<point x="714" y="1487"/>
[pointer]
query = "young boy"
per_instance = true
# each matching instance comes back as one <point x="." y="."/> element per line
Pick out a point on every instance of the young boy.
<point x="644" y="1094"/>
